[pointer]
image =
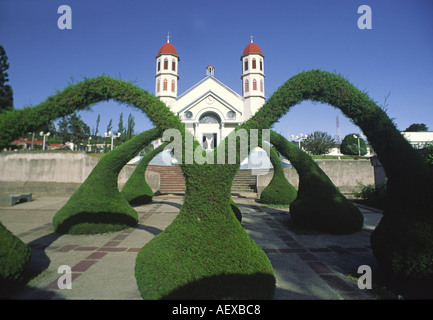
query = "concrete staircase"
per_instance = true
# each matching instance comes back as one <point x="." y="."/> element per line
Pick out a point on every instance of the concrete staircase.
<point x="172" y="180"/>
<point x="244" y="182"/>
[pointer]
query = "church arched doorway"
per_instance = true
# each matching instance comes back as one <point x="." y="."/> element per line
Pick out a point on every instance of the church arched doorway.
<point x="210" y="125"/>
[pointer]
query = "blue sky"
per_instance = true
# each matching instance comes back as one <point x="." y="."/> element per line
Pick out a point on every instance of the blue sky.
<point x="121" y="39"/>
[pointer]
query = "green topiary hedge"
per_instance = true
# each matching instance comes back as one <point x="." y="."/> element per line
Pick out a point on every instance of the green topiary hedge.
<point x="14" y="259"/>
<point x="205" y="253"/>
<point x="205" y="243"/>
<point x="319" y="205"/>
<point x="136" y="190"/>
<point x="279" y="191"/>
<point x="97" y="206"/>
<point x="409" y="180"/>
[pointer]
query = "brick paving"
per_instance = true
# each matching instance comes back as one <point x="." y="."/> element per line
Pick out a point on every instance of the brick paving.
<point x="306" y="266"/>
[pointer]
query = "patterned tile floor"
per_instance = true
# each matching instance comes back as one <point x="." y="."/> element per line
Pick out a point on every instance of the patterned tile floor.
<point x="307" y="267"/>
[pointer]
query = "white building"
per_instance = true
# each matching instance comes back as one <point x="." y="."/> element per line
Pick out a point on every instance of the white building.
<point x="418" y="139"/>
<point x="211" y="110"/>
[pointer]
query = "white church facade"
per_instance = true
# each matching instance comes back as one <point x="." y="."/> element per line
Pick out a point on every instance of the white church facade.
<point x="211" y="110"/>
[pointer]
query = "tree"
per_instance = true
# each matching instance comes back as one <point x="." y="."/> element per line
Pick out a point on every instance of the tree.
<point x="122" y="130"/>
<point x="109" y="127"/>
<point x="131" y="126"/>
<point x="416" y="127"/>
<point x="319" y="143"/>
<point x="349" y="145"/>
<point x="6" y="94"/>
<point x="98" y="120"/>
<point x="73" y="129"/>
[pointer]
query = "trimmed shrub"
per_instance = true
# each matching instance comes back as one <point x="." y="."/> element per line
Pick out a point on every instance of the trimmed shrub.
<point x="136" y="190"/>
<point x="279" y="191"/>
<point x="97" y="206"/>
<point x="14" y="259"/>
<point x="206" y="240"/>
<point x="319" y="205"/>
<point x="349" y="145"/>
<point x="204" y="253"/>
<point x="410" y="196"/>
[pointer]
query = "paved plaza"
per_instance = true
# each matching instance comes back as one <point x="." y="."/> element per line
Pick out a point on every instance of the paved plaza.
<point x="307" y="266"/>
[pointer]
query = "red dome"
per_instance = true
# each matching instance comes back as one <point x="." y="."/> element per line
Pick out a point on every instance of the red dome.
<point x="252" y="48"/>
<point x="167" y="48"/>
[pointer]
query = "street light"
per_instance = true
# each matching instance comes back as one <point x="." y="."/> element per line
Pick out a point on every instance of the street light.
<point x="112" y="137"/>
<point x="42" y="134"/>
<point x="300" y="138"/>
<point x="359" y="143"/>
<point x="89" y="147"/>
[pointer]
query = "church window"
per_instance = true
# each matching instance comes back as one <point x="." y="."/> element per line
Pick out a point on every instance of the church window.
<point x="209" y="117"/>
<point x="158" y="86"/>
<point x="261" y="65"/>
<point x="173" y="86"/>
<point x="246" y="65"/>
<point x="254" y="84"/>
<point x="159" y="65"/>
<point x="261" y="85"/>
<point x="254" y="63"/>
<point x="247" y="86"/>
<point x="165" y="85"/>
<point x="165" y="64"/>
<point x="173" y="65"/>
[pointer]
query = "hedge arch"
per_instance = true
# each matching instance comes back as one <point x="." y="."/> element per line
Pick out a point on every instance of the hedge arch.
<point x="205" y="243"/>
<point x="82" y="96"/>
<point x="279" y="191"/>
<point x="402" y="240"/>
<point x="136" y="190"/>
<point x="319" y="205"/>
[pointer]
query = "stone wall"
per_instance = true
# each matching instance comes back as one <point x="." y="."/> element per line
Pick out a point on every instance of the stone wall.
<point x="54" y="172"/>
<point x="63" y="172"/>
<point x="345" y="174"/>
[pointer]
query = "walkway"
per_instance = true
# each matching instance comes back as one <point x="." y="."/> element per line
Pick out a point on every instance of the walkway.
<point x="306" y="266"/>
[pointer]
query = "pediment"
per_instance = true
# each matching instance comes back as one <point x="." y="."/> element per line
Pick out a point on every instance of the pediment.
<point x="210" y="102"/>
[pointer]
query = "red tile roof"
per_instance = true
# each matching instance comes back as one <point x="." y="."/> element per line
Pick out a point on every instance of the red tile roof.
<point x="252" y="48"/>
<point x="167" y="48"/>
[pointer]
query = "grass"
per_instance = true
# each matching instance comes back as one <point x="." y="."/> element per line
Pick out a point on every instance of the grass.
<point x="275" y="206"/>
<point x="379" y="289"/>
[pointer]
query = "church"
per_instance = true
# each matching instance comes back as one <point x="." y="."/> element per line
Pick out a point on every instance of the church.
<point x="211" y="110"/>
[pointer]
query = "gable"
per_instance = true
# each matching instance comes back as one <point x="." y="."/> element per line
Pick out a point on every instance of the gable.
<point x="210" y="95"/>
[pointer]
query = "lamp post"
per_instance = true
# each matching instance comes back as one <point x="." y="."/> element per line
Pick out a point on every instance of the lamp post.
<point x="359" y="143"/>
<point x="112" y="137"/>
<point x="300" y="138"/>
<point x="42" y="134"/>
<point x="89" y="147"/>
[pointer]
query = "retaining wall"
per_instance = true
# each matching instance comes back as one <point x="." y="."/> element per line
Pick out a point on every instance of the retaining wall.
<point x="63" y="172"/>
<point x="54" y="172"/>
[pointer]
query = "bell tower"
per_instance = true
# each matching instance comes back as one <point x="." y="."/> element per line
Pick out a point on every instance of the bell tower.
<point x="253" y="79"/>
<point x="166" y="77"/>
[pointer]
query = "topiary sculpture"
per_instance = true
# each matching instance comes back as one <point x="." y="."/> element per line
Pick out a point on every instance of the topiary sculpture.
<point x="279" y="191"/>
<point x="136" y="190"/>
